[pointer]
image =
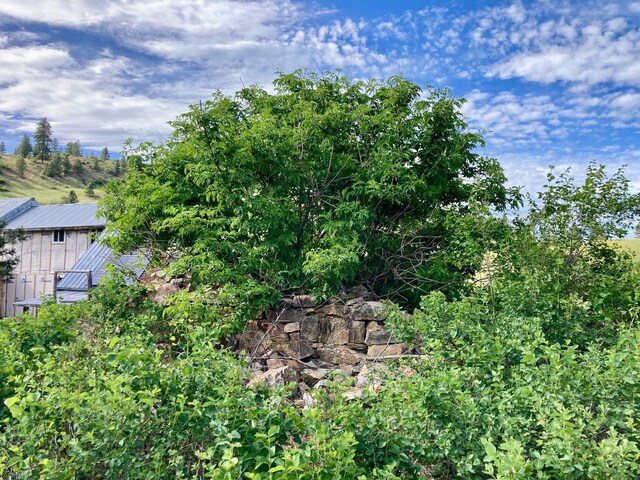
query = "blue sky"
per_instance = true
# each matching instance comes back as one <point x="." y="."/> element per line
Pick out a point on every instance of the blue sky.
<point x="547" y="82"/>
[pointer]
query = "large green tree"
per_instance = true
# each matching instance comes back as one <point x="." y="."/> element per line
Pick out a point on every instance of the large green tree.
<point x="43" y="140"/>
<point x="320" y="185"/>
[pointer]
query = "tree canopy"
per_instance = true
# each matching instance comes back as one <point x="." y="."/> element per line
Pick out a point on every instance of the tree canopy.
<point x="321" y="184"/>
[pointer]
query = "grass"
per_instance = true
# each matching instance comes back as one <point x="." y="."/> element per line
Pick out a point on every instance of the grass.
<point x="47" y="190"/>
<point x="632" y="245"/>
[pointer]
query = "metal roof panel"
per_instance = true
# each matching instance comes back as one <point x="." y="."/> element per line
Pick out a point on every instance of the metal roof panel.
<point x="72" y="215"/>
<point x="96" y="259"/>
<point x="12" y="207"/>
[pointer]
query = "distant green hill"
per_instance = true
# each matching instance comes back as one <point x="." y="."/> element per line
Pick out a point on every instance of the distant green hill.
<point x="47" y="189"/>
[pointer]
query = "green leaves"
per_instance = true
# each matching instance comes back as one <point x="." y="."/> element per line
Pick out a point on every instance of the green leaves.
<point x="310" y="188"/>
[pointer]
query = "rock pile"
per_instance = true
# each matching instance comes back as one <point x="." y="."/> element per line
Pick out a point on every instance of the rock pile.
<point x="304" y="340"/>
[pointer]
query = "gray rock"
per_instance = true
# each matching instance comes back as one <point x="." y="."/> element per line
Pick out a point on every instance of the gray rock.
<point x="359" y="291"/>
<point x="274" y="377"/>
<point x="332" y="309"/>
<point x="357" y="332"/>
<point x="292" y="327"/>
<point x="295" y="348"/>
<point x="310" y="329"/>
<point x="274" y="331"/>
<point x="338" y="331"/>
<point x="291" y="315"/>
<point x="338" y="355"/>
<point x="367" y="311"/>
<point x="311" y="376"/>
<point x="386" y="350"/>
<point x="273" y="363"/>
<point x="307" y="400"/>
<point x="248" y="339"/>
<point x="163" y="292"/>
<point x="377" y="335"/>
<point x="322" y="383"/>
<point x="352" y="393"/>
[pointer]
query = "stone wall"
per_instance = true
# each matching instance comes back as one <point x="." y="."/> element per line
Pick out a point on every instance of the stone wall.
<point x="306" y="339"/>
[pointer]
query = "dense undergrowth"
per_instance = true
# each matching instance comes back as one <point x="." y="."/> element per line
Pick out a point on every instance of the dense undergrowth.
<point x="529" y="362"/>
<point x="90" y="392"/>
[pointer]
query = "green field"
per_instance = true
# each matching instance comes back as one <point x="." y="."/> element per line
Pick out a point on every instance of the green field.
<point x="48" y="190"/>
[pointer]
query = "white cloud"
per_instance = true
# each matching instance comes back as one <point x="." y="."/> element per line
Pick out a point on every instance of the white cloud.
<point x="20" y="63"/>
<point x="93" y="103"/>
<point x="104" y="97"/>
<point x="163" y="55"/>
<point x="600" y="53"/>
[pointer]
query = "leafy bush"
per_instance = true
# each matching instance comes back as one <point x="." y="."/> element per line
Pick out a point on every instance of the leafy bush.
<point x="320" y="185"/>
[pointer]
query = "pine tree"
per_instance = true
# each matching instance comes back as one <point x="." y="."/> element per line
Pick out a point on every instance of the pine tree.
<point x="2" y="148"/>
<point x="73" y="149"/>
<point x="24" y="149"/>
<point x="78" y="167"/>
<point x="21" y="166"/>
<point x="104" y="154"/>
<point x="67" y="168"/>
<point x="54" y="167"/>
<point x="43" y="140"/>
<point x="71" y="198"/>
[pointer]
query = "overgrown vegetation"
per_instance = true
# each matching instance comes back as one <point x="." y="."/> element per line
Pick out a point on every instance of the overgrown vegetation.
<point x="530" y="358"/>
<point x="321" y="185"/>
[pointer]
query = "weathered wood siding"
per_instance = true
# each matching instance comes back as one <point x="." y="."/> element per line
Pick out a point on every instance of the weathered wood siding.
<point x="39" y="257"/>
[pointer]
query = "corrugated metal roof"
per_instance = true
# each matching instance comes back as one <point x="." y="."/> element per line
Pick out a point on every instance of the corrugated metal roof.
<point x="71" y="297"/>
<point x="12" y="207"/>
<point x="96" y="259"/>
<point x="62" y="297"/>
<point x="73" y="215"/>
<point x="29" y="302"/>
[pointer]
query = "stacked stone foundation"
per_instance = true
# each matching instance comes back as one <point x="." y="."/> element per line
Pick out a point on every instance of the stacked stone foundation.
<point x="304" y="340"/>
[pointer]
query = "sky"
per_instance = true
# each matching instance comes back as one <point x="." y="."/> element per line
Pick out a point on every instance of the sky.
<point x="545" y="82"/>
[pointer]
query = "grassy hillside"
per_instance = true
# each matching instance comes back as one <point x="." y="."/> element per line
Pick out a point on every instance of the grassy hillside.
<point x="52" y="189"/>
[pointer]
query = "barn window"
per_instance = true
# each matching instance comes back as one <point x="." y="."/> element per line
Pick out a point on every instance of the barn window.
<point x="58" y="236"/>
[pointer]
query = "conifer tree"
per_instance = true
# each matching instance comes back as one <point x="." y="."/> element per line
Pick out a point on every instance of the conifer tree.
<point x="21" y="166"/>
<point x="24" y="149"/>
<point x="43" y="140"/>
